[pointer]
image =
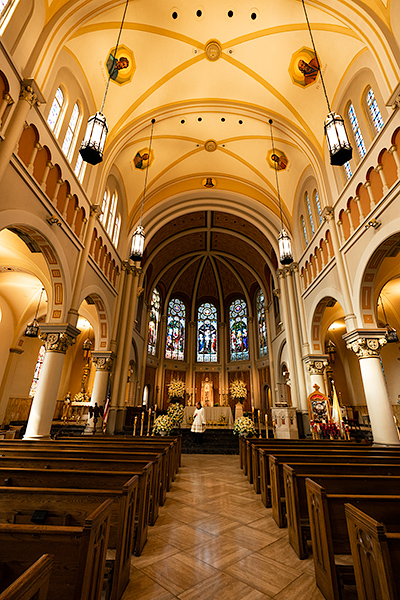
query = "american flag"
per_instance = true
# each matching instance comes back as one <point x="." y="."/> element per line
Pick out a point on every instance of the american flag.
<point x="107" y="406"/>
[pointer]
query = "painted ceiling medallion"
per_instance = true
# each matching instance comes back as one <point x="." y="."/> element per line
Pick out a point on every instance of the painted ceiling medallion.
<point x="143" y="158"/>
<point x="210" y="145"/>
<point x="213" y="50"/>
<point x="121" y="66"/>
<point x="303" y="67"/>
<point x="277" y="159"/>
<point x="209" y="182"/>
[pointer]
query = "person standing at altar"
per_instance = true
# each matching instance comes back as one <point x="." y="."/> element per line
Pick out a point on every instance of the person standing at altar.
<point x="199" y="423"/>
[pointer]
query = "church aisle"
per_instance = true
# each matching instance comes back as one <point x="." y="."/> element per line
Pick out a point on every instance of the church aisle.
<point x="214" y="539"/>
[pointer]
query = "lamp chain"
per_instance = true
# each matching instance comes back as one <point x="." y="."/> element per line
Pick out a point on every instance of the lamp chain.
<point x="147" y="170"/>
<point x="316" y="57"/>
<point x="276" y="172"/>
<point x="115" y="56"/>
<point x="38" y="306"/>
<point x="383" y="308"/>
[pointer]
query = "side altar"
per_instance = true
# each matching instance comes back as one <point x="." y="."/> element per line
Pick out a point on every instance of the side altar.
<point x="216" y="416"/>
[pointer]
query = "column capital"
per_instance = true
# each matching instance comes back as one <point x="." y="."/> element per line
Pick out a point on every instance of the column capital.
<point x="366" y="184"/>
<point x="294" y="267"/>
<point x="392" y="148"/>
<point x="277" y="293"/>
<point x="58" y="338"/>
<point x="280" y="273"/>
<point x="316" y="363"/>
<point x="103" y="360"/>
<point x="378" y="168"/>
<point x="192" y="324"/>
<point x="31" y="93"/>
<point x="8" y="99"/>
<point x="328" y="213"/>
<point x="95" y="210"/>
<point x="366" y="343"/>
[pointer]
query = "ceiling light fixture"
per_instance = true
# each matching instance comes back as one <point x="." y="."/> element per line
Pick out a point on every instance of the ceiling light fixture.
<point x="284" y="243"/>
<point x="32" y="330"/>
<point x="93" y="143"/>
<point x="340" y="150"/>
<point x="138" y="238"/>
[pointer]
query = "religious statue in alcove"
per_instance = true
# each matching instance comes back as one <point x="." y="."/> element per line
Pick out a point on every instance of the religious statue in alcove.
<point x="207" y="392"/>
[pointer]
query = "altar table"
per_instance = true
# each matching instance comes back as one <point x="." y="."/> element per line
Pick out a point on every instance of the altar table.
<point x="213" y="413"/>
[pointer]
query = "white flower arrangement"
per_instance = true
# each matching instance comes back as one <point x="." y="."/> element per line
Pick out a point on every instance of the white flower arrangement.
<point x="163" y="423"/>
<point x="176" y="388"/>
<point x="244" y="426"/>
<point x="238" y="389"/>
<point x="175" y="413"/>
<point x="79" y="397"/>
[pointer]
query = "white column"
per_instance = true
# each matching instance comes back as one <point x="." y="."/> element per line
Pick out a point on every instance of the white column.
<point x="366" y="344"/>
<point x="295" y="270"/>
<point x="255" y="388"/>
<point x="395" y="154"/>
<point x="288" y="332"/>
<point x="103" y="362"/>
<point x="57" y="339"/>
<point x="161" y="348"/>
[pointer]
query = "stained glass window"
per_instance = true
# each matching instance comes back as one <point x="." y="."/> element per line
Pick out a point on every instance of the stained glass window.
<point x="310" y="212"/>
<point x="262" y="323"/>
<point x="207" y="349"/>
<point x="176" y="328"/>
<point x="238" y="330"/>
<point x="357" y="131"/>
<point x="318" y="205"/>
<point x="347" y="170"/>
<point x="71" y="134"/>
<point x="111" y="216"/>
<point x="38" y="368"/>
<point x="374" y="111"/>
<point x="304" y="228"/>
<point x="80" y="168"/>
<point x="104" y="207"/>
<point x="54" y="118"/>
<point x="153" y="322"/>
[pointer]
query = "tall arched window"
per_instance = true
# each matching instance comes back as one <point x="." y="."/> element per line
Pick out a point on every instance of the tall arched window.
<point x="317" y="205"/>
<point x="112" y="213"/>
<point x="356" y="130"/>
<point x="38" y="368"/>
<point x="176" y="329"/>
<point x="304" y="228"/>
<point x="104" y="207"/>
<point x="7" y="8"/>
<point x="373" y="110"/>
<point x="207" y="327"/>
<point x="117" y="229"/>
<point x="347" y="170"/>
<point x="80" y="168"/>
<point x="153" y="322"/>
<point x="262" y="324"/>
<point x="238" y="330"/>
<point x="308" y="204"/>
<point x="72" y="132"/>
<point x="57" y="111"/>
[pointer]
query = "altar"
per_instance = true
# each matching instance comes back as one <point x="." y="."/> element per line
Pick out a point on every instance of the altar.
<point x="216" y="416"/>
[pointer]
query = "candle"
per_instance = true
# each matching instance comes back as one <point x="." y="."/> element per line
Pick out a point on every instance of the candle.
<point x="134" y="426"/>
<point x="259" y="423"/>
<point x="148" y="422"/>
<point x="141" y="425"/>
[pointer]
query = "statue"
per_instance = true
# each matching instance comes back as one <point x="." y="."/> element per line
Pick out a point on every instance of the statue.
<point x="66" y="410"/>
<point x="95" y="412"/>
<point x="207" y="392"/>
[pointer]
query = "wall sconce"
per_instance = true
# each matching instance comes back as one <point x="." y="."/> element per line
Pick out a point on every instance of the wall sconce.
<point x="373" y="223"/>
<point x="53" y="220"/>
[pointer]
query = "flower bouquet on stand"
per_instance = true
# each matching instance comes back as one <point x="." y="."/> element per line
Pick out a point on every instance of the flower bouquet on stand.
<point x="176" y="390"/>
<point x="238" y="390"/>
<point x="244" y="426"/>
<point x="176" y="412"/>
<point x="163" y="425"/>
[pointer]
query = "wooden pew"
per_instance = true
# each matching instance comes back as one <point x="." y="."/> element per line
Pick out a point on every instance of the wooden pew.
<point x="122" y="487"/>
<point x="102" y="459"/>
<point x="375" y="549"/>
<point x="294" y="477"/>
<point x="32" y="584"/>
<point x="312" y="455"/>
<point x="329" y="532"/>
<point x="79" y="550"/>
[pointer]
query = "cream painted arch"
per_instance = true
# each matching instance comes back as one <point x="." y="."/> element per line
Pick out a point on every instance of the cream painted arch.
<point x="314" y="329"/>
<point x="54" y="255"/>
<point x="104" y="326"/>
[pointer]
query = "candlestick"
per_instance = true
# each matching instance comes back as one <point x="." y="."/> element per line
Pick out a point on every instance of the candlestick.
<point x="148" y="422"/>
<point x="134" y="425"/>
<point x="274" y="427"/>
<point x="266" y="426"/>
<point x="141" y="425"/>
<point x="259" y="423"/>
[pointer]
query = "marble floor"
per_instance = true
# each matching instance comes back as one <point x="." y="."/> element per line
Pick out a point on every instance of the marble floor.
<point x="215" y="540"/>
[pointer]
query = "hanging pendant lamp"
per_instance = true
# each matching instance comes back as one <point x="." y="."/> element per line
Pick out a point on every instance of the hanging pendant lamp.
<point x="284" y="243"/>
<point x="138" y="239"/>
<point x="32" y="330"/>
<point x="340" y="150"/>
<point x="93" y="143"/>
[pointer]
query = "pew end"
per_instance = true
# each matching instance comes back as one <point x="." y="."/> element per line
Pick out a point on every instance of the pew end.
<point x="32" y="584"/>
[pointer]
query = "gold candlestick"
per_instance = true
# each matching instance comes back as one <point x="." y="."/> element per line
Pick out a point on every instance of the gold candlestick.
<point x="134" y="425"/>
<point x="148" y="422"/>
<point x="142" y="425"/>
<point x="266" y="426"/>
<point x="259" y="423"/>
<point x="274" y="427"/>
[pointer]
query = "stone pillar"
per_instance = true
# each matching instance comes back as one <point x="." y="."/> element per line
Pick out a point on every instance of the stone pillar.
<point x="315" y="365"/>
<point x="358" y="202"/>
<point x="349" y="316"/>
<point x="395" y="154"/>
<point x="348" y="213"/>
<point x="57" y="339"/>
<point x="35" y="150"/>
<point x="49" y="166"/>
<point x="270" y="322"/>
<point x="368" y="187"/>
<point x="385" y="187"/>
<point x="7" y="378"/>
<point x="288" y="331"/>
<point x="103" y="361"/>
<point x="223" y="359"/>
<point x="29" y="95"/>
<point x="6" y="102"/>
<point x="191" y="350"/>
<point x="255" y="388"/>
<point x="366" y="344"/>
<point x="300" y="383"/>
<point x="303" y="328"/>
<point x="83" y="259"/>
<point x="144" y="356"/>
